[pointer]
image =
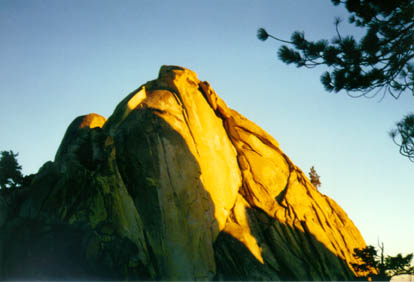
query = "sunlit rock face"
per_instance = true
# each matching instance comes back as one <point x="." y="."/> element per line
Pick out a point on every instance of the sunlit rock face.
<point x="173" y="186"/>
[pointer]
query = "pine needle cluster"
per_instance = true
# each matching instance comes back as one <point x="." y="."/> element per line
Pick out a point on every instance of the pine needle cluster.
<point x="382" y="60"/>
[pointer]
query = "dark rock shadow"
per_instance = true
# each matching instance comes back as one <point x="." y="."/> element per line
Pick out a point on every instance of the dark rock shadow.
<point x="288" y="253"/>
<point x="46" y="252"/>
<point x="178" y="222"/>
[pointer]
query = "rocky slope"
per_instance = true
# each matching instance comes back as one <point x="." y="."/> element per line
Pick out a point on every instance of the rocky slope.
<point x="173" y="186"/>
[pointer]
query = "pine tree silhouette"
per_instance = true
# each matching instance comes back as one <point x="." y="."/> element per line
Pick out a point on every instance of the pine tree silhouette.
<point x="10" y="170"/>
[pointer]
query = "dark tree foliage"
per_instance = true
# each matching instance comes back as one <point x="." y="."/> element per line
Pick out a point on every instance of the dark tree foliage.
<point x="376" y="267"/>
<point x="10" y="170"/>
<point x="368" y="257"/>
<point x="381" y="60"/>
<point x="314" y="177"/>
<point x="403" y="136"/>
<point x="399" y="265"/>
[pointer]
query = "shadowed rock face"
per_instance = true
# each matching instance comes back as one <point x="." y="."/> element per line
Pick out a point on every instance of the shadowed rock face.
<point x="173" y="186"/>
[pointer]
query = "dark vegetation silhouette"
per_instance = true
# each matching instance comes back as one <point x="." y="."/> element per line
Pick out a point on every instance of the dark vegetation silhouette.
<point x="10" y="170"/>
<point x="314" y="177"/>
<point x="382" y="61"/>
<point x="378" y="267"/>
<point x="403" y="136"/>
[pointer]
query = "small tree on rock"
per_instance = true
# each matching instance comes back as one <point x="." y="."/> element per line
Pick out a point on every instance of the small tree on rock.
<point x="10" y="170"/>
<point x="314" y="177"/>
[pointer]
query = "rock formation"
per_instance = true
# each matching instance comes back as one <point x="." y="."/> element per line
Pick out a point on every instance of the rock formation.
<point x="173" y="186"/>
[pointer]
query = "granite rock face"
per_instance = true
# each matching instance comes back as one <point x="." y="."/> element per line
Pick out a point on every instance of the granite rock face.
<point x="173" y="186"/>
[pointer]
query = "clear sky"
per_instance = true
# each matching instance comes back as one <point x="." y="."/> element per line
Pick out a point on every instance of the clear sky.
<point x="62" y="59"/>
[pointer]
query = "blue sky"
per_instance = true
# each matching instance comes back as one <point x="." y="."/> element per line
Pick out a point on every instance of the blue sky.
<point x="62" y="59"/>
